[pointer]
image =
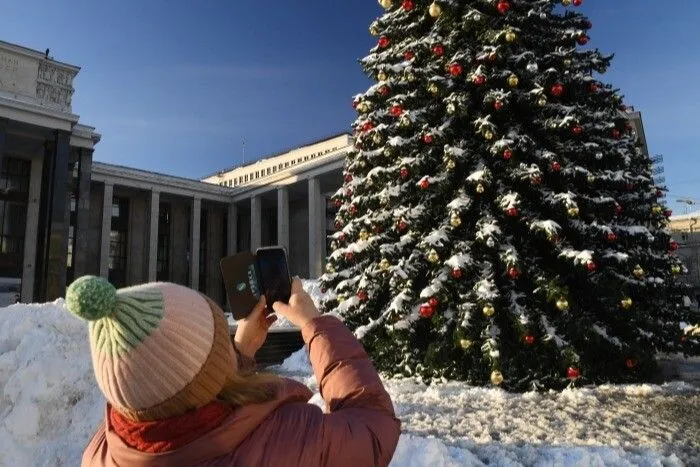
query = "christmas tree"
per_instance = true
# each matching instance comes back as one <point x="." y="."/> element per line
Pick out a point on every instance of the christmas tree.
<point x="499" y="222"/>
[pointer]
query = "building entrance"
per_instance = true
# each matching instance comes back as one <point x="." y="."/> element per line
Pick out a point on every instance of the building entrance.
<point x="14" y="194"/>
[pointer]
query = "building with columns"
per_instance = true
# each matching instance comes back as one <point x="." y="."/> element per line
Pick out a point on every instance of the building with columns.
<point x="64" y="215"/>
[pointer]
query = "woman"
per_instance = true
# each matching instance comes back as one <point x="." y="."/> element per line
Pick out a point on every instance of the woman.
<point x="179" y="394"/>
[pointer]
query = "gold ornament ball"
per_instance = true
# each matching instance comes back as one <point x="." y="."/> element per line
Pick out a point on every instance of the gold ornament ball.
<point x="374" y="30"/>
<point x="450" y="164"/>
<point x="386" y="4"/>
<point x="511" y="36"/>
<point x="567" y="62"/>
<point x="381" y="76"/>
<point x="377" y="138"/>
<point x="455" y="220"/>
<point x="434" y="10"/>
<point x="480" y="188"/>
<point x="405" y="121"/>
<point x="566" y="2"/>
<point x="638" y="272"/>
<point x="433" y="256"/>
<point x="657" y="209"/>
<point x="465" y="343"/>
<point x="676" y="269"/>
<point x="489" y="310"/>
<point x="364" y="235"/>
<point x="330" y="268"/>
<point x="341" y="299"/>
<point x="488" y="134"/>
<point x="573" y="211"/>
<point x="451" y="108"/>
<point x="513" y="81"/>
<point x="433" y="88"/>
<point x="542" y="101"/>
<point x="384" y="264"/>
<point x="363" y="107"/>
<point x="591" y="179"/>
<point x="626" y="303"/>
<point x="496" y="377"/>
<point x="410" y="77"/>
<point x="563" y="304"/>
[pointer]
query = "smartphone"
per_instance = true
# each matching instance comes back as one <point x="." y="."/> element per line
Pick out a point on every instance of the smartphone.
<point x="240" y="276"/>
<point x="273" y="274"/>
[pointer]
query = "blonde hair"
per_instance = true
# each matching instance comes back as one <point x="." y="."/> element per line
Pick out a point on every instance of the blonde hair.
<point x="248" y="387"/>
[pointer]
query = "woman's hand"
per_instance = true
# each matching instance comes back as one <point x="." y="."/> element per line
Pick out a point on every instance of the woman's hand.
<point x="301" y="308"/>
<point x="251" y="331"/>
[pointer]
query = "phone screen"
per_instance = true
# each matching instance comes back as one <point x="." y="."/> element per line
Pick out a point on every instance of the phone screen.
<point x="274" y="275"/>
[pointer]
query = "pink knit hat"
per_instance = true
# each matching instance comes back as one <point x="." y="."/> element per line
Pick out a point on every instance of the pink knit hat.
<point x="158" y="349"/>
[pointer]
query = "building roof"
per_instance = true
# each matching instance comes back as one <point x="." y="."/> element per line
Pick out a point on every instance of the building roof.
<point x="277" y="154"/>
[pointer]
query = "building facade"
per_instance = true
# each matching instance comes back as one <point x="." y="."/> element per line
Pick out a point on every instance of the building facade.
<point x="64" y="215"/>
<point x="686" y="231"/>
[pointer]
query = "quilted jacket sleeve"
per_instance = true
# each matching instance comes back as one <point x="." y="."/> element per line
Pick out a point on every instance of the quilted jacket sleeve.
<point x="359" y="427"/>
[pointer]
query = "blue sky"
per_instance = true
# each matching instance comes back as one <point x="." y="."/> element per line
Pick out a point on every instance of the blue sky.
<point x="175" y="86"/>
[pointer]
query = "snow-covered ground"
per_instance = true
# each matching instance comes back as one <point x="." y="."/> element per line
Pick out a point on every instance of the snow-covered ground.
<point x="50" y="406"/>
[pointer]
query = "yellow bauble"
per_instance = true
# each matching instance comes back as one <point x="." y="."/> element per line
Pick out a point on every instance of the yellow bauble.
<point x="638" y="272"/>
<point x="465" y="343"/>
<point x="513" y="81"/>
<point x="386" y="4"/>
<point x="626" y="303"/>
<point x="480" y="188"/>
<point x="455" y="220"/>
<point x="410" y="77"/>
<point x="378" y="138"/>
<point x="496" y="377"/>
<point x="374" y="30"/>
<point x="511" y="36"/>
<point x="450" y="164"/>
<point x="657" y="209"/>
<point x="562" y="304"/>
<point x="364" y="235"/>
<point x="381" y="76"/>
<point x="488" y="134"/>
<point x="330" y="268"/>
<point x="433" y="256"/>
<point x="363" y="108"/>
<point x="384" y="264"/>
<point x="566" y="2"/>
<point x="567" y="62"/>
<point x="489" y="310"/>
<point x="341" y="299"/>
<point x="542" y="101"/>
<point x="573" y="211"/>
<point x="405" y="121"/>
<point x="451" y="108"/>
<point x="434" y="10"/>
<point x="591" y="179"/>
<point x="433" y="88"/>
<point x="676" y="269"/>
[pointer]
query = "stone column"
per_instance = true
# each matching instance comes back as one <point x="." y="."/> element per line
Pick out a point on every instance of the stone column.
<point x="194" y="242"/>
<point x="315" y="219"/>
<point x="30" y="234"/>
<point x="232" y="230"/>
<point x="3" y="139"/>
<point x="255" y="223"/>
<point x="154" y="211"/>
<point x="82" y="214"/>
<point x="107" y="199"/>
<point x="283" y="217"/>
<point x="57" y="251"/>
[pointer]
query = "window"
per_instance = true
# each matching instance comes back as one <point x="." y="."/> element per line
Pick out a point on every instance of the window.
<point x="14" y="188"/>
<point x="118" y="241"/>
<point x="163" y="253"/>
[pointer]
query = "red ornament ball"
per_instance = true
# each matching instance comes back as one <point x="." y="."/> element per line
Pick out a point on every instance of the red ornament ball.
<point x="512" y="212"/>
<point x="591" y="266"/>
<point x="427" y="138"/>
<point x="438" y="49"/>
<point x="557" y="90"/>
<point x="383" y="42"/>
<point x="573" y="373"/>
<point x="455" y="69"/>
<point x="673" y="246"/>
<point x="659" y="193"/>
<point x="355" y="104"/>
<point x="668" y="213"/>
<point x="618" y="209"/>
<point x="593" y="88"/>
<point x="513" y="273"/>
<point x="582" y="40"/>
<point x="338" y="202"/>
<point x="630" y="363"/>
<point x="556" y="166"/>
<point x="396" y="110"/>
<point x="348" y="178"/>
<point x="611" y="237"/>
<point x="408" y="55"/>
<point x="407" y="5"/>
<point x="404" y="172"/>
<point x="616" y="134"/>
<point x="352" y="209"/>
<point x="433" y="302"/>
<point x="324" y="290"/>
<point x="503" y="7"/>
<point x="529" y="339"/>
<point x="479" y="80"/>
<point x="349" y="256"/>
<point x="577" y="2"/>
<point x="426" y="311"/>
<point x="424" y="184"/>
<point x="377" y="228"/>
<point x="341" y="237"/>
<point x="578" y="130"/>
<point x="403" y="225"/>
<point x="384" y="90"/>
<point x="498" y="105"/>
<point x="367" y="126"/>
<point x="457" y="273"/>
<point x="338" y="225"/>
<point x="507" y="154"/>
<point x="362" y="295"/>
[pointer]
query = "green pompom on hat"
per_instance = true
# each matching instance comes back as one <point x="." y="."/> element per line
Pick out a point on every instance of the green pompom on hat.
<point x="91" y="298"/>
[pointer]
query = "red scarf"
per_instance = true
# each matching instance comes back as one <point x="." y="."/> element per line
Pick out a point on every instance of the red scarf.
<point x="171" y="433"/>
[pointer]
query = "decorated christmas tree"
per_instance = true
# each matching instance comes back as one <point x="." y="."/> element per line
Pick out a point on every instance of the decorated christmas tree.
<point x="499" y="223"/>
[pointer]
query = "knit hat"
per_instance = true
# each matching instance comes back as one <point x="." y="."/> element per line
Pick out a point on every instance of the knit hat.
<point x="158" y="349"/>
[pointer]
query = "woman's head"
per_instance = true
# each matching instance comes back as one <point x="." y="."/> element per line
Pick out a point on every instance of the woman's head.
<point x="158" y="349"/>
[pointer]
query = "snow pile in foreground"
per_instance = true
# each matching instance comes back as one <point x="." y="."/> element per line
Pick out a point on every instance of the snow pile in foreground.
<point x="50" y="406"/>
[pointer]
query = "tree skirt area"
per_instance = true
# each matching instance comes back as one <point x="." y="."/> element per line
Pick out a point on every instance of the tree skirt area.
<point x="50" y="406"/>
